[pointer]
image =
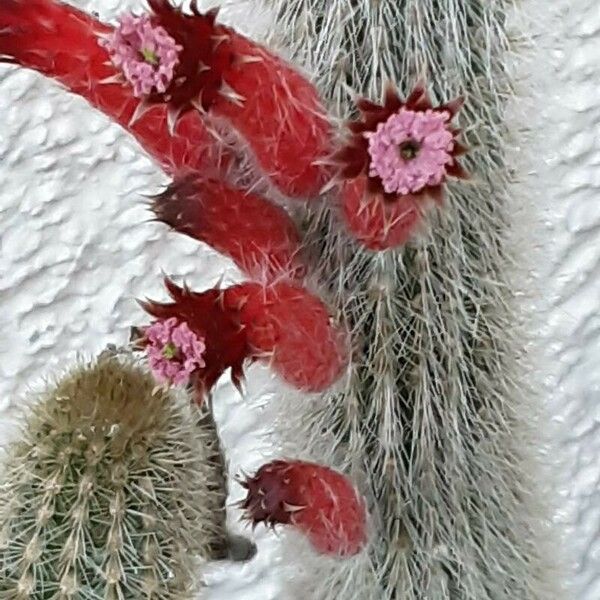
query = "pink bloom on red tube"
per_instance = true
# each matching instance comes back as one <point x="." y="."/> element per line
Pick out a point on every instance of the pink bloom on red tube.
<point x="403" y="147"/>
<point x="410" y="150"/>
<point x="174" y="350"/>
<point x="146" y="54"/>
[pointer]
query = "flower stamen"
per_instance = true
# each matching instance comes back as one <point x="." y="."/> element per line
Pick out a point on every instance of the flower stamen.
<point x="170" y="351"/>
<point x="149" y="56"/>
<point x="145" y="53"/>
<point x="409" y="149"/>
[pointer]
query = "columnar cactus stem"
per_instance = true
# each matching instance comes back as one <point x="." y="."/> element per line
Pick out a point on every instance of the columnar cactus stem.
<point x="436" y="411"/>
<point x="216" y="480"/>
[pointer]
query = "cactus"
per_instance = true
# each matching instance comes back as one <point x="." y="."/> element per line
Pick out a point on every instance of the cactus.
<point x="436" y="411"/>
<point x="108" y="492"/>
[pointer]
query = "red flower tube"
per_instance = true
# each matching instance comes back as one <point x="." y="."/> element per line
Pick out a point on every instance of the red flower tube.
<point x="242" y="86"/>
<point x="62" y="42"/>
<point x="275" y="110"/>
<point x="293" y="330"/>
<point x="398" y="156"/>
<point x="279" y="322"/>
<point x="259" y="236"/>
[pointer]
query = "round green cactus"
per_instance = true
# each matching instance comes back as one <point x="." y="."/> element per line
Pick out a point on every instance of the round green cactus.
<point x="106" y="495"/>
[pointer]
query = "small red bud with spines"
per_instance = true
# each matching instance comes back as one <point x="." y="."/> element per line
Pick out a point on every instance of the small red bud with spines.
<point x="258" y="235"/>
<point x="318" y="501"/>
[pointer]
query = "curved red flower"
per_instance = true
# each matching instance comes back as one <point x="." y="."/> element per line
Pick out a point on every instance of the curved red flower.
<point x="258" y="235"/>
<point x="292" y="329"/>
<point x="280" y="322"/>
<point x="403" y="148"/>
<point x="184" y="61"/>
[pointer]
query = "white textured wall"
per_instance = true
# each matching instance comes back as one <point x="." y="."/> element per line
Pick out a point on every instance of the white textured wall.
<point x="76" y="250"/>
<point x="570" y="183"/>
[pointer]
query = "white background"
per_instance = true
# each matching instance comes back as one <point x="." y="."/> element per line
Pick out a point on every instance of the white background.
<point x="76" y="249"/>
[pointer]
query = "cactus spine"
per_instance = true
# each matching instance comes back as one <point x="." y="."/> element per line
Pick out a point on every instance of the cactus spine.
<point x="106" y="494"/>
<point x="435" y="412"/>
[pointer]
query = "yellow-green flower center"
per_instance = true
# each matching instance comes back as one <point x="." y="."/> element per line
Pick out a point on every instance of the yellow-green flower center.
<point x="170" y="351"/>
<point x="149" y="56"/>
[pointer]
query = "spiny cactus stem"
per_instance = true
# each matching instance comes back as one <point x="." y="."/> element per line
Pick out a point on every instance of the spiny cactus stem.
<point x="106" y="495"/>
<point x="219" y="545"/>
<point x="436" y="409"/>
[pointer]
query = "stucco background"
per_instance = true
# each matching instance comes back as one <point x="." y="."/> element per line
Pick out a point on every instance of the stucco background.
<point x="76" y="248"/>
<point x="568" y="179"/>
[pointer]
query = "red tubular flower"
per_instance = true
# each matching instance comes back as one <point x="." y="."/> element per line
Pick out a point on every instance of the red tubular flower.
<point x="280" y="322"/>
<point x="280" y="118"/>
<point x="396" y="136"/>
<point x="293" y="330"/>
<point x="259" y="236"/>
<point x="61" y="42"/>
<point x="399" y="153"/>
<point x="271" y="106"/>
<point x="319" y="502"/>
<point x="276" y="112"/>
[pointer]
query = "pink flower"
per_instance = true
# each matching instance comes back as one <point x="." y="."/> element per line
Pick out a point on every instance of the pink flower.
<point x="174" y="350"/>
<point x="146" y="54"/>
<point x="403" y="148"/>
<point x="410" y="150"/>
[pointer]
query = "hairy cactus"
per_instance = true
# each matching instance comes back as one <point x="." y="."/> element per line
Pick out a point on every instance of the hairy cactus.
<point x="108" y="492"/>
<point x="436" y="412"/>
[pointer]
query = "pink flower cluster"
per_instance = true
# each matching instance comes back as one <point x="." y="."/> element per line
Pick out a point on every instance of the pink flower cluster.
<point x="146" y="54"/>
<point x="410" y="150"/>
<point x="174" y="350"/>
